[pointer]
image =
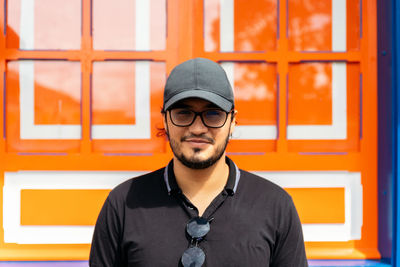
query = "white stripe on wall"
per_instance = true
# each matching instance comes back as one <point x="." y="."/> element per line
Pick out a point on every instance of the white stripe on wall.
<point x="227" y="25"/>
<point x="339" y="99"/>
<point x="142" y="25"/>
<point x="339" y="24"/>
<point x="255" y="132"/>
<point x="27" y="19"/>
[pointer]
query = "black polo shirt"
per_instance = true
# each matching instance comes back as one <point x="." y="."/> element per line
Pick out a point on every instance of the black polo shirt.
<point x="143" y="223"/>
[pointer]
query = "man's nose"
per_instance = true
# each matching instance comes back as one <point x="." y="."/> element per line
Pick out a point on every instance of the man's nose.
<point x="198" y="126"/>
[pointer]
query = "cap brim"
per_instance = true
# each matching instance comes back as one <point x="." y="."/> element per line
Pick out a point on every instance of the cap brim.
<point x="218" y="100"/>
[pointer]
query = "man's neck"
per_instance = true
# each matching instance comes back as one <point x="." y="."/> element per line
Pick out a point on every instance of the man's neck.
<point x="202" y="183"/>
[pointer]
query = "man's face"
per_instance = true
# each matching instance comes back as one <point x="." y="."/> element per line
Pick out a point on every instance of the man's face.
<point x="198" y="146"/>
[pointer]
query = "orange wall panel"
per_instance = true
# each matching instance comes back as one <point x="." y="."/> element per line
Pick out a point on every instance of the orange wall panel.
<point x="61" y="207"/>
<point x="319" y="205"/>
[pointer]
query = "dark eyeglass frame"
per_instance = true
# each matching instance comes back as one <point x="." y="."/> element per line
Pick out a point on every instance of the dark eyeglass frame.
<point x="200" y="114"/>
<point x="197" y="228"/>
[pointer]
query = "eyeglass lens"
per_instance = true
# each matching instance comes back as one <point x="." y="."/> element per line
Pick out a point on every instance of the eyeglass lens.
<point x="211" y="118"/>
<point x="194" y="256"/>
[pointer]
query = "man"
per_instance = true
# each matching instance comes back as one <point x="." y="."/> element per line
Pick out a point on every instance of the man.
<point x="200" y="210"/>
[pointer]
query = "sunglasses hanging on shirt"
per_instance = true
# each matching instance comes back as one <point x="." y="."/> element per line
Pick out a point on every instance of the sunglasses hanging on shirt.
<point x="197" y="228"/>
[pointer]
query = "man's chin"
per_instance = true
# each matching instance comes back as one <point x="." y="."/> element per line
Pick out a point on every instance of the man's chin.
<point x="197" y="163"/>
<point x="198" y="158"/>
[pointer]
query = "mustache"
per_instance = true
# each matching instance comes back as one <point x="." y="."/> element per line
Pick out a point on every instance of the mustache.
<point x="204" y="137"/>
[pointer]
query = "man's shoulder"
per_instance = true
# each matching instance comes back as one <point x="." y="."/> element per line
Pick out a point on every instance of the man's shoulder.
<point x="143" y="183"/>
<point x="254" y="184"/>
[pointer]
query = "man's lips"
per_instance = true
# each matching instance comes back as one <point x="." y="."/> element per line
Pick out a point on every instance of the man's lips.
<point x="198" y="140"/>
<point x="197" y="143"/>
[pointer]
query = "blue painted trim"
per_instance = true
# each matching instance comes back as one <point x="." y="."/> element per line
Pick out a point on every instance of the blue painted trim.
<point x="396" y="86"/>
<point x="358" y="263"/>
<point x="387" y="129"/>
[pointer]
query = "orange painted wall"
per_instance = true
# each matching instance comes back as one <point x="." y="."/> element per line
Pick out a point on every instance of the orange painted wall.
<point x="283" y="58"/>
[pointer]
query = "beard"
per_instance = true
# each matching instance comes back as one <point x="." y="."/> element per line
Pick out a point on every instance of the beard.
<point x="194" y="162"/>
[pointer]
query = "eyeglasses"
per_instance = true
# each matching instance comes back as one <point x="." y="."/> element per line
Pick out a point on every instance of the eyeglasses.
<point x="212" y="118"/>
<point x="194" y="256"/>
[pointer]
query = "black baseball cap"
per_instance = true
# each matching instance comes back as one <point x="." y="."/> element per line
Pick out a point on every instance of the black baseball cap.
<point x="199" y="78"/>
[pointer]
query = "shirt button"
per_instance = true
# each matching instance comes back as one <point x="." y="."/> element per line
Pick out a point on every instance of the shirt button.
<point x="190" y="207"/>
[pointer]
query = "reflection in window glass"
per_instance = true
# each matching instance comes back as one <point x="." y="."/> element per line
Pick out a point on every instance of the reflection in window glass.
<point x="240" y="25"/>
<point x="43" y="105"/>
<point x="129" y="25"/>
<point x="310" y="85"/>
<point x="57" y="92"/>
<point x="126" y="104"/>
<point x="113" y="93"/>
<point x="323" y="25"/>
<point x="44" y="24"/>
<point x="255" y="88"/>
<point x="324" y="107"/>
<point x="322" y="88"/>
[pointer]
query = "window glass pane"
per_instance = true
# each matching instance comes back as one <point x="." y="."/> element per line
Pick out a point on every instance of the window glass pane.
<point x="113" y="96"/>
<point x="126" y="105"/>
<point x="44" y="24"/>
<point x="57" y="92"/>
<point x="240" y="25"/>
<point x="324" y="25"/>
<point x="43" y="105"/>
<point x="310" y="94"/>
<point x="324" y="104"/>
<point x="255" y="89"/>
<point x="129" y="25"/>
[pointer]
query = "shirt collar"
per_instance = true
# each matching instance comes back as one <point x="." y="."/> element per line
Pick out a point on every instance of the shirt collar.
<point x="230" y="187"/>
